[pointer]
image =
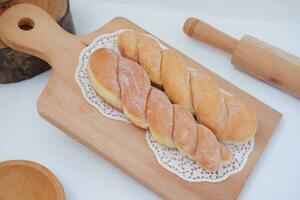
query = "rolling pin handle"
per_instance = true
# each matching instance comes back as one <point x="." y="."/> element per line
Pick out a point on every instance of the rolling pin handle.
<point x="203" y="32"/>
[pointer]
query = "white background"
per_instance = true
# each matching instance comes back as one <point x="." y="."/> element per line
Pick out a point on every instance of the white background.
<point x="85" y="175"/>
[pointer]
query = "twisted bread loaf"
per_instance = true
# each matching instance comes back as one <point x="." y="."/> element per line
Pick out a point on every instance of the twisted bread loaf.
<point x="229" y="119"/>
<point x="125" y="85"/>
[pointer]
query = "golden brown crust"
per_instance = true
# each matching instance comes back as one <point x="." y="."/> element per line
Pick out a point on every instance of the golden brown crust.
<point x="135" y="87"/>
<point x="176" y="79"/>
<point x="240" y="123"/>
<point x="198" y="92"/>
<point x="160" y="117"/>
<point x="127" y="45"/>
<point x="208" y="151"/>
<point x="185" y="131"/>
<point x="102" y="69"/>
<point x="230" y="119"/>
<point x="149" y="56"/>
<point x="208" y="101"/>
<point x="171" y="125"/>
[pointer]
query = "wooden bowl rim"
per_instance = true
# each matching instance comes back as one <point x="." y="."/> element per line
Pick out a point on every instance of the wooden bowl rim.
<point x="59" y="191"/>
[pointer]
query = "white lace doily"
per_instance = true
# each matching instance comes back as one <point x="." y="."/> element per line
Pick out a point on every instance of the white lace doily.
<point x="169" y="158"/>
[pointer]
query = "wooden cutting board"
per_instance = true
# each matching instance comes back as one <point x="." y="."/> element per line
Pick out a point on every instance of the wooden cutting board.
<point x="62" y="104"/>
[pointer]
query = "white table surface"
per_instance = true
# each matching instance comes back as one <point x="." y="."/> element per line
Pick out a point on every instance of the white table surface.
<point x="85" y="175"/>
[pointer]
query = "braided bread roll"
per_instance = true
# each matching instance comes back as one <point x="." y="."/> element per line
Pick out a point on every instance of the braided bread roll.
<point x="229" y="119"/>
<point x="125" y="85"/>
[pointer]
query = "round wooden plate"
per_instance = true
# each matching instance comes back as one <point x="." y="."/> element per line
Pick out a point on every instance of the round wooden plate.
<point x="26" y="180"/>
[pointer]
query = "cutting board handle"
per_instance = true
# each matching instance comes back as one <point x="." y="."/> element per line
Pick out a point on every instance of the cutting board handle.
<point x="29" y="29"/>
<point x="204" y="32"/>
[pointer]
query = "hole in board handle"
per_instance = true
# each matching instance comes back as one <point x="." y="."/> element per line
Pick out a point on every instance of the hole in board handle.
<point x="26" y="24"/>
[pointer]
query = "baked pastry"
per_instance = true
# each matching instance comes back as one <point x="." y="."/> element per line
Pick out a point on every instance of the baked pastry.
<point x="135" y="86"/>
<point x="147" y="106"/>
<point x="230" y="120"/>
<point x="160" y="117"/>
<point x="104" y="76"/>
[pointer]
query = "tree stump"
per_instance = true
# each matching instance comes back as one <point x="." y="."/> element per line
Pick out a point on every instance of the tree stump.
<point x="16" y="66"/>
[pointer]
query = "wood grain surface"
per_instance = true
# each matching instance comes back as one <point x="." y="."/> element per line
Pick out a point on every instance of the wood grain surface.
<point x="268" y="63"/>
<point x="62" y="104"/>
<point x="26" y="180"/>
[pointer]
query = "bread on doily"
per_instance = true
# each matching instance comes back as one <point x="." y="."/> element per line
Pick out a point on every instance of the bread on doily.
<point x="230" y="119"/>
<point x="144" y="105"/>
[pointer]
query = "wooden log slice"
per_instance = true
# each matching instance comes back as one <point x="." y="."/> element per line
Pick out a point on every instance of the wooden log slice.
<point x="16" y="66"/>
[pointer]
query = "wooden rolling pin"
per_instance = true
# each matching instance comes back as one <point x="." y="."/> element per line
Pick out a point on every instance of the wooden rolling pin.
<point x="258" y="58"/>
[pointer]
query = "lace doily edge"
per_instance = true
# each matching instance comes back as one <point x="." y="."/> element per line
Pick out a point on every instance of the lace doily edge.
<point x="223" y="178"/>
